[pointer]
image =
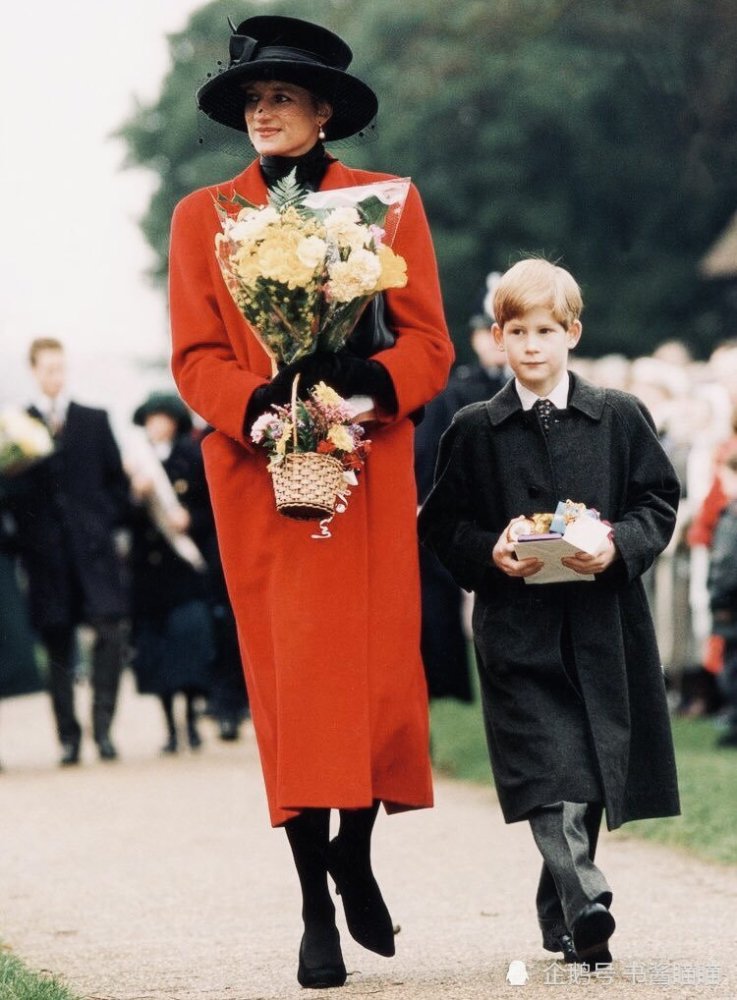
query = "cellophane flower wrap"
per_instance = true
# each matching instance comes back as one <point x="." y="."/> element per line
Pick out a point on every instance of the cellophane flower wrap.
<point x="324" y="424"/>
<point x="302" y="268"/>
<point x="24" y="440"/>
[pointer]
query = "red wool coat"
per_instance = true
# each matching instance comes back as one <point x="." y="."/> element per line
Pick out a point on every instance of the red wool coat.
<point x="329" y="629"/>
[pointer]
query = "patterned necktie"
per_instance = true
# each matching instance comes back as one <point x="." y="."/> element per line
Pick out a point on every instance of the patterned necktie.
<point x="544" y="409"/>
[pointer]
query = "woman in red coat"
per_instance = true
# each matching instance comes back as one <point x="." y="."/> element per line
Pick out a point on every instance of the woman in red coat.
<point x="329" y="629"/>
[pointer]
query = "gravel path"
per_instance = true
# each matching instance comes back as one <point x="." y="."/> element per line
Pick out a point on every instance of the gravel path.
<point x="160" y="879"/>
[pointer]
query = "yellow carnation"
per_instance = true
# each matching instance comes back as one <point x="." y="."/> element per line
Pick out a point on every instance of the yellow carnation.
<point x="393" y="269"/>
<point x="326" y="394"/>
<point x="341" y="438"/>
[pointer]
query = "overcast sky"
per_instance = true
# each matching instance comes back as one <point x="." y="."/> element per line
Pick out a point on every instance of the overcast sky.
<point x="71" y="257"/>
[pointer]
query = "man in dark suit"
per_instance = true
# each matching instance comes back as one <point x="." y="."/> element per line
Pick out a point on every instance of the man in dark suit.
<point x="67" y="509"/>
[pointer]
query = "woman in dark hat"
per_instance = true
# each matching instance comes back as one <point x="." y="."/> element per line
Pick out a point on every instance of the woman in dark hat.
<point x="329" y="629"/>
<point x="172" y="633"/>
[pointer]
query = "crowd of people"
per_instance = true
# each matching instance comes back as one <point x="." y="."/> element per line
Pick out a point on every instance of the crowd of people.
<point x="123" y="544"/>
<point x="145" y="600"/>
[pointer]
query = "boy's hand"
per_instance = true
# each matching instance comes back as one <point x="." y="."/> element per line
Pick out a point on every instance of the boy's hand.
<point x="582" y="562"/>
<point x="505" y="559"/>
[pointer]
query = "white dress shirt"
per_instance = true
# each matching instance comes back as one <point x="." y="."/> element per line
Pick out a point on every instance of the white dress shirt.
<point x="558" y="397"/>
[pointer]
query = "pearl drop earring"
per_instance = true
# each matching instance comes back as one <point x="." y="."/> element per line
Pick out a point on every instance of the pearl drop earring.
<point x="321" y="133"/>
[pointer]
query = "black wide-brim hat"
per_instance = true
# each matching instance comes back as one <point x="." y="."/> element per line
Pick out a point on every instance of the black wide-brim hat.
<point x="170" y="405"/>
<point x="270" y="47"/>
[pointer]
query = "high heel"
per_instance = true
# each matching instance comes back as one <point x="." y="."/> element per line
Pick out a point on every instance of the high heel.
<point x="366" y="913"/>
<point x="321" y="964"/>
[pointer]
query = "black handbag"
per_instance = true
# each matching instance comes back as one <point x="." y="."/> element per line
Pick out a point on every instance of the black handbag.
<point x="371" y="333"/>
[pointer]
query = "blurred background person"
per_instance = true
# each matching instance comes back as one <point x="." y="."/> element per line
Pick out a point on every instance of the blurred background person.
<point x="485" y="376"/>
<point x="722" y="583"/>
<point x="19" y="672"/>
<point x="67" y="509"/>
<point x="171" y="529"/>
<point x="228" y="702"/>
<point x="445" y="637"/>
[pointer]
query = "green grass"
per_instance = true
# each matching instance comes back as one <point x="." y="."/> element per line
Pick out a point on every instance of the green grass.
<point x="707" y="780"/>
<point x="19" y="983"/>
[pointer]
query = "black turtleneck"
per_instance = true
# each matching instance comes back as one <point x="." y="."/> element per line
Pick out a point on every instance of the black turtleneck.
<point x="311" y="167"/>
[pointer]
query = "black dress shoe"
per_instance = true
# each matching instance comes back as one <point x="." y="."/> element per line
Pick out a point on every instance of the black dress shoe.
<point x="321" y="963"/>
<point x="194" y="738"/>
<point x="564" y="943"/>
<point x="228" y="730"/>
<point x="591" y="931"/>
<point x="106" y="749"/>
<point x="366" y="914"/>
<point x="69" y="754"/>
<point x="171" y="745"/>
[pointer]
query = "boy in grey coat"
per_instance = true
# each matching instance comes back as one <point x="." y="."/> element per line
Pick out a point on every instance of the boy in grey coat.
<point x="571" y="681"/>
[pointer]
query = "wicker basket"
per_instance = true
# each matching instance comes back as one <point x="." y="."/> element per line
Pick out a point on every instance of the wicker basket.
<point x="306" y="485"/>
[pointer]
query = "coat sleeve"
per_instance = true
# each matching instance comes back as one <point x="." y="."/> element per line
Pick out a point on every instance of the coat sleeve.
<point x="420" y="360"/>
<point x="652" y="494"/>
<point x="209" y="376"/>
<point x="447" y="521"/>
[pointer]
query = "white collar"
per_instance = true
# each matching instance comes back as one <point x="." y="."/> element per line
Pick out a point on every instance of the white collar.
<point x="558" y="397"/>
<point x="45" y="404"/>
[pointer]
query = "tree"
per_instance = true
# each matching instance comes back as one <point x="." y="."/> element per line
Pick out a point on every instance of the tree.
<point x="598" y="132"/>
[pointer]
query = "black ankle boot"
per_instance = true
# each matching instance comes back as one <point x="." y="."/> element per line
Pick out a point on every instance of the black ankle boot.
<point x="321" y="963"/>
<point x="366" y="913"/>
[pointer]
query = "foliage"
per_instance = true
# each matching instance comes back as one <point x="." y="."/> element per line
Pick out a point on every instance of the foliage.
<point x="18" y="983"/>
<point x="601" y="132"/>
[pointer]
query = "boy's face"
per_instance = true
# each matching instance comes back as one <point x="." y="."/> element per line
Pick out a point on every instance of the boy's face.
<point x="537" y="348"/>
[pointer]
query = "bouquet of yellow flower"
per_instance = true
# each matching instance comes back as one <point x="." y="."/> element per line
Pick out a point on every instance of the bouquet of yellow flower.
<point x="23" y="441"/>
<point x="302" y="268"/>
<point x="314" y="449"/>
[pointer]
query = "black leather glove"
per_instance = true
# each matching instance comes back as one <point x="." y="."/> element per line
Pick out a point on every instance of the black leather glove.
<point x="361" y="376"/>
<point x="343" y="371"/>
<point x="320" y="366"/>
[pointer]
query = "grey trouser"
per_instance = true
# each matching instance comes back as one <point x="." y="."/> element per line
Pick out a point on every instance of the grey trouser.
<point x="566" y="834"/>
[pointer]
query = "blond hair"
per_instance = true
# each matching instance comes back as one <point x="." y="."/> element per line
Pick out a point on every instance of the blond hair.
<point x="43" y="344"/>
<point x="534" y="283"/>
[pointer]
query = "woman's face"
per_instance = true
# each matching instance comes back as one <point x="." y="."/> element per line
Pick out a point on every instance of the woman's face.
<point x="282" y="119"/>
<point x="160" y="428"/>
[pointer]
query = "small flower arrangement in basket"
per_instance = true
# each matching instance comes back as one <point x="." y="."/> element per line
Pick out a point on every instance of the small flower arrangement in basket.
<point x="315" y="449"/>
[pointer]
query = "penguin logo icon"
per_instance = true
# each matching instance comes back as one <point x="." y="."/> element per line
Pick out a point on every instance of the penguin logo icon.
<point x="517" y="973"/>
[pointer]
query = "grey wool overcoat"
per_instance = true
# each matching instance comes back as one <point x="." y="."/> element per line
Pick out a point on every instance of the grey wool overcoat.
<point x="571" y="681"/>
